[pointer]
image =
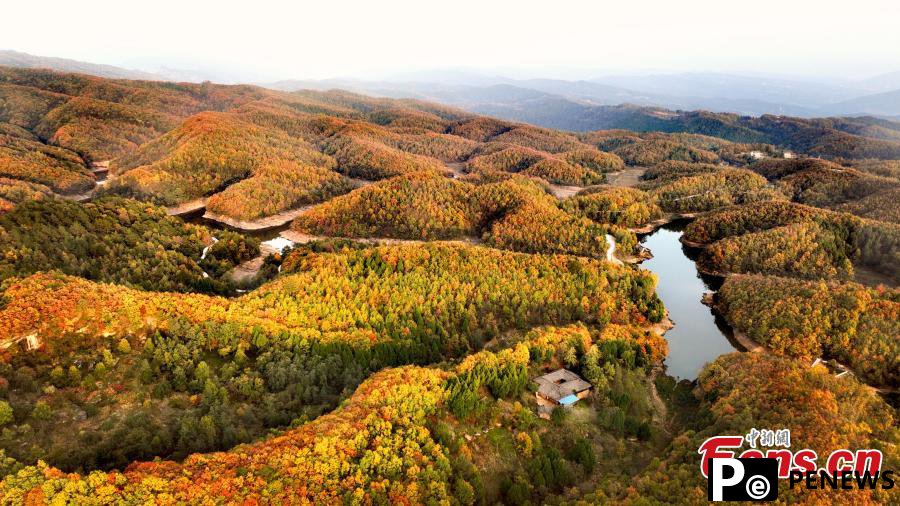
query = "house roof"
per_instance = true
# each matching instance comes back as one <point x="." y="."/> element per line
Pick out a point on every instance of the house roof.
<point x="569" y="399"/>
<point x="560" y="384"/>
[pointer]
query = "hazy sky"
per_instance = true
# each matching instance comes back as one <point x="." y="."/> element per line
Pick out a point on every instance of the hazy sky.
<point x="329" y="38"/>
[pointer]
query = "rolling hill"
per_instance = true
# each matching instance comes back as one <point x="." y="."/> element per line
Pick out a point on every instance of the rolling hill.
<point x="427" y="264"/>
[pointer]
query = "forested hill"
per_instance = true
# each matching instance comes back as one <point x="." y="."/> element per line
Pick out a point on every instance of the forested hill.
<point x="858" y="137"/>
<point x="252" y="153"/>
<point x="171" y="142"/>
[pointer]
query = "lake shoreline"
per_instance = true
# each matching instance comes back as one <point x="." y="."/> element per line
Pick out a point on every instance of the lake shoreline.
<point x="696" y="335"/>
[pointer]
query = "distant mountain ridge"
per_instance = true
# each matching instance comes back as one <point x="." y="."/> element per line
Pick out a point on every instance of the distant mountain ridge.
<point x="746" y="95"/>
<point x="880" y="104"/>
<point x="714" y="92"/>
<point x="835" y="137"/>
<point x="10" y="58"/>
<point x="590" y="105"/>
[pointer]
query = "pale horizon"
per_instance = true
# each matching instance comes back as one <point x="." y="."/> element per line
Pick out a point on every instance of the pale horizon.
<point x="571" y="40"/>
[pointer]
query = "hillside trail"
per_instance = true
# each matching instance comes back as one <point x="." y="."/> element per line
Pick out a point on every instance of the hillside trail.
<point x="186" y="208"/>
<point x="611" y="250"/>
<point x="257" y="225"/>
<point x="261" y="224"/>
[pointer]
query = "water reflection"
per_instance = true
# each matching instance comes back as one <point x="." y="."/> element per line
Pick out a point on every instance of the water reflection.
<point x="700" y="335"/>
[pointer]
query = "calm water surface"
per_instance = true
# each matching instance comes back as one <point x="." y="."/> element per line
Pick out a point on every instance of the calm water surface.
<point x="699" y="335"/>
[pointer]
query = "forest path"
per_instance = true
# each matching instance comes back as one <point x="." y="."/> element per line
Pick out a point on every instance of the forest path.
<point x="611" y="250"/>
<point x="258" y="225"/>
<point x="189" y="207"/>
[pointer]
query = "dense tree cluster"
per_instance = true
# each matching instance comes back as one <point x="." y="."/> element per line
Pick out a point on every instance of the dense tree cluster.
<point x="610" y="140"/>
<point x="198" y="396"/>
<point x="826" y="184"/>
<point x="527" y="219"/>
<point x="375" y="448"/>
<point x="98" y="129"/>
<point x="542" y="139"/>
<point x="395" y="439"/>
<point x="777" y="168"/>
<point x="807" y="319"/>
<point x="206" y="153"/>
<point x="863" y="137"/>
<point x="876" y="167"/>
<point x="532" y="462"/>
<point x="399" y="116"/>
<point x="369" y="159"/>
<point x="625" y="207"/>
<point x="739" y="220"/>
<point x="668" y="171"/>
<point x="189" y="397"/>
<point x="276" y="187"/>
<point x="583" y="166"/>
<point x="808" y="250"/>
<point x="592" y="159"/>
<point x="415" y="301"/>
<point x="422" y="205"/>
<point x="648" y="148"/>
<point x="14" y="191"/>
<point x="481" y="128"/>
<point x="827" y="188"/>
<point x="745" y="154"/>
<point x="708" y="191"/>
<point x="29" y="160"/>
<point x="794" y="240"/>
<point x="878" y="205"/>
<point x="653" y="151"/>
<point x="119" y="241"/>
<point x="515" y="214"/>
<point x="101" y="118"/>
<point x="588" y="350"/>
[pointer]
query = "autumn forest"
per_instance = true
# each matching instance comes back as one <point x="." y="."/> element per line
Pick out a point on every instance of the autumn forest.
<point x="227" y="294"/>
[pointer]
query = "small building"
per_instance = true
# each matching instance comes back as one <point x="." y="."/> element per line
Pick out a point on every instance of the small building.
<point x="756" y="155"/>
<point x="561" y="387"/>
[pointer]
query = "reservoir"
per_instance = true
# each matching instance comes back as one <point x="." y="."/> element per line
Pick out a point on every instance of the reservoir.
<point x="699" y="335"/>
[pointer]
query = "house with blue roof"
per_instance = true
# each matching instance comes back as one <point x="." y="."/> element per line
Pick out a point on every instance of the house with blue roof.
<point x="561" y="387"/>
